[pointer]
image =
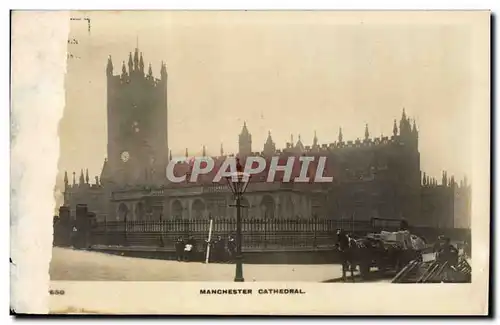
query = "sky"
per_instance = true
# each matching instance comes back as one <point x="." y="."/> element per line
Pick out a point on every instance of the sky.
<point x="288" y="73"/>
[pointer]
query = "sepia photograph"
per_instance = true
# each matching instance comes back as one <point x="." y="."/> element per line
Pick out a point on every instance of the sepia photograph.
<point x="303" y="148"/>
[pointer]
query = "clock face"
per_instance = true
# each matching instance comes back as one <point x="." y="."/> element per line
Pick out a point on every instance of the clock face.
<point x="125" y="156"/>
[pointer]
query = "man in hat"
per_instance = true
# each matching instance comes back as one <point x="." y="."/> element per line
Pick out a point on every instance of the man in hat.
<point x="190" y="248"/>
<point x="179" y="249"/>
<point x="448" y="252"/>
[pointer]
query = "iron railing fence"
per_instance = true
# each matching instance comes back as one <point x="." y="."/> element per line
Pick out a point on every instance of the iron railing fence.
<point x="257" y="233"/>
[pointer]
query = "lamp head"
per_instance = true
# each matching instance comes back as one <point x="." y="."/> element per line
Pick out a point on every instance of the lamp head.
<point x="238" y="181"/>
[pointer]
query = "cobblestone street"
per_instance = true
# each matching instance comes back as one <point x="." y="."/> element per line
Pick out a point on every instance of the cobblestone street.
<point x="72" y="265"/>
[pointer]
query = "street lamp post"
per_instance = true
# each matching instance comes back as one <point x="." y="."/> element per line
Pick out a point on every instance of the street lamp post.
<point x="238" y="183"/>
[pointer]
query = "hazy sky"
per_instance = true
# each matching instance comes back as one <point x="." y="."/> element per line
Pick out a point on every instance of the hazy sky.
<point x="288" y="73"/>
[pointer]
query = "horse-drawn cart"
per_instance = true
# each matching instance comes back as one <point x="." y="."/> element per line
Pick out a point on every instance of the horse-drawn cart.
<point x="387" y="251"/>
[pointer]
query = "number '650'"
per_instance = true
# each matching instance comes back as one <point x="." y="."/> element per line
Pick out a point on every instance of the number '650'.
<point x="56" y="292"/>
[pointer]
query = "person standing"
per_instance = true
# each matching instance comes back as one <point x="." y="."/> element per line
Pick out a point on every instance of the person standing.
<point x="231" y="248"/>
<point x="74" y="237"/>
<point x="190" y="248"/>
<point x="179" y="249"/>
<point x="219" y="249"/>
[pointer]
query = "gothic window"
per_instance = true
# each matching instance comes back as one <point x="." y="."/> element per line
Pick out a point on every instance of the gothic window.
<point x="123" y="211"/>
<point x="268" y="206"/>
<point x="176" y="210"/>
<point x="198" y="209"/>
<point x="217" y="207"/>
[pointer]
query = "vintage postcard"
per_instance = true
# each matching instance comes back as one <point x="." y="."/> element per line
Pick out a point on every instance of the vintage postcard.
<point x="251" y="162"/>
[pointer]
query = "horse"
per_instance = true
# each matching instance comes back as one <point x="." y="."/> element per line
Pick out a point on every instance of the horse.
<point x="351" y="253"/>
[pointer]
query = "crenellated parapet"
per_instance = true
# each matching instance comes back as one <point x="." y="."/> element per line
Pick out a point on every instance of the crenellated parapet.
<point x="407" y="136"/>
<point x="135" y="72"/>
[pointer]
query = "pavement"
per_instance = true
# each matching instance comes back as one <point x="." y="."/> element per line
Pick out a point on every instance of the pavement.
<point x="76" y="265"/>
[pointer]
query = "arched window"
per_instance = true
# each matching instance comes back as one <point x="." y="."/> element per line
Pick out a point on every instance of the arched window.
<point x="198" y="209"/>
<point x="268" y="206"/>
<point x="123" y="211"/>
<point x="176" y="210"/>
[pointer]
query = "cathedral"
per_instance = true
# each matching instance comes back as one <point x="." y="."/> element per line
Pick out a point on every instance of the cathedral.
<point x="373" y="177"/>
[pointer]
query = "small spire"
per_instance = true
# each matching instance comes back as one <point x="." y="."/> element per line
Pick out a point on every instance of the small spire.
<point x="96" y="180"/>
<point x="109" y="67"/>
<point x="82" y="180"/>
<point x="315" y="139"/>
<point x="136" y="59"/>
<point x="163" y="70"/>
<point x="367" y="134"/>
<point x="150" y="71"/>
<point x="141" y="64"/>
<point x="395" y="128"/>
<point x="244" y="130"/>
<point x="291" y="139"/>
<point x="124" y="69"/>
<point x="74" y="178"/>
<point x="414" y="130"/>
<point x="204" y="153"/>
<point x="66" y="178"/>
<point x="170" y="155"/>
<point x="221" y="150"/>
<point x="87" y="180"/>
<point x="187" y="155"/>
<point x="403" y="116"/>
<point x="340" y="135"/>
<point x="130" y="63"/>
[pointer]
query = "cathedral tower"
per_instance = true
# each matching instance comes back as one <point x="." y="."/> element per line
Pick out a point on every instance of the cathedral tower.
<point x="137" y="123"/>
